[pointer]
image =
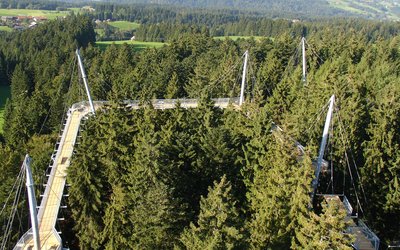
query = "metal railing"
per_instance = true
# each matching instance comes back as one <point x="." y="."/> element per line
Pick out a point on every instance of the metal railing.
<point x="371" y="236"/>
<point x="27" y="238"/>
<point x="347" y="205"/>
<point x="161" y="103"/>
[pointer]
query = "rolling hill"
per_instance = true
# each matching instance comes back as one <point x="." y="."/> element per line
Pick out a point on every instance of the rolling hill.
<point x="371" y="9"/>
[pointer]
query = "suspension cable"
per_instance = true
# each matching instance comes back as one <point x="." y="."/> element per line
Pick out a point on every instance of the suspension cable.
<point x="315" y="53"/>
<point x="234" y="86"/>
<point x="58" y="93"/>
<point x="11" y="192"/>
<point x="68" y="91"/>
<point x="289" y="63"/>
<point x="315" y="118"/>
<point x="12" y="214"/>
<point x="348" y="166"/>
<point x="214" y="83"/>
<point x="253" y="80"/>
<point x="8" y="230"/>
<point x="355" y="165"/>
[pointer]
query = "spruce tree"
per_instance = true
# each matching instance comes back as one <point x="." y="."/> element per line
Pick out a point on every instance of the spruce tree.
<point x="325" y="231"/>
<point x="218" y="225"/>
<point x="279" y="194"/>
<point x="89" y="192"/>
<point x="143" y="212"/>
<point x="381" y="171"/>
<point x="117" y="230"/>
<point x="155" y="217"/>
<point x="172" y="90"/>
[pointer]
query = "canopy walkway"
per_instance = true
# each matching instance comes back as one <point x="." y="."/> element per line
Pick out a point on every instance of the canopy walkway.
<point x="365" y="239"/>
<point x="50" y="205"/>
<point x="49" y="208"/>
<point x="51" y="202"/>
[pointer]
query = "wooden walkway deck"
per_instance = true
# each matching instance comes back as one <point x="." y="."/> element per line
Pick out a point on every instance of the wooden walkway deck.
<point x="364" y="238"/>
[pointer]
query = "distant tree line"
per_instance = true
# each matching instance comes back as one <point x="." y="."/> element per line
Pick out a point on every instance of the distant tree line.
<point x="126" y="9"/>
<point x="160" y="23"/>
<point x="35" y="5"/>
<point x="248" y="26"/>
<point x="269" y="8"/>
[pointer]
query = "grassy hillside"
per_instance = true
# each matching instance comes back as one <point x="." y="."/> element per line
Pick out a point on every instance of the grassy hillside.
<point x="377" y="9"/>
<point x="26" y="12"/>
<point x="295" y="9"/>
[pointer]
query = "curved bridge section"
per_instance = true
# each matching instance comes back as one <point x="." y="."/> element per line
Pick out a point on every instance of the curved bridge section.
<point x="50" y="205"/>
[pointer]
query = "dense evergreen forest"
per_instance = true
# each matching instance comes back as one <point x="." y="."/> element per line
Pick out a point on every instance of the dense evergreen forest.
<point x="271" y="8"/>
<point x="165" y="23"/>
<point x="292" y="9"/>
<point x="208" y="178"/>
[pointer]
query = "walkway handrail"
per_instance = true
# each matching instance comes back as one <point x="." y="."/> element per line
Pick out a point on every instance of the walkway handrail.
<point x="371" y="236"/>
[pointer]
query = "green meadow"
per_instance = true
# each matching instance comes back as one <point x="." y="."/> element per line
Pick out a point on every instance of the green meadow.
<point x="5" y="28"/>
<point x="50" y="14"/>
<point x="138" y="45"/>
<point x="124" y="25"/>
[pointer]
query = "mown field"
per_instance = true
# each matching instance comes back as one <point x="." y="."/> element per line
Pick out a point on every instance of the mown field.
<point x="124" y="25"/>
<point x="4" y="94"/>
<point x="138" y="45"/>
<point x="27" y="12"/>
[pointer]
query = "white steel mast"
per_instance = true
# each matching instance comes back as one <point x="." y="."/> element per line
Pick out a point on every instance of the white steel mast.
<point x="32" y="202"/>
<point x="246" y="57"/>
<point x="323" y="145"/>
<point x="85" y="82"/>
<point x="303" y="48"/>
